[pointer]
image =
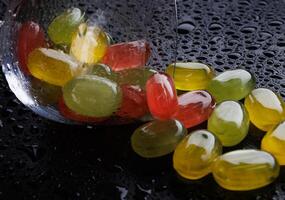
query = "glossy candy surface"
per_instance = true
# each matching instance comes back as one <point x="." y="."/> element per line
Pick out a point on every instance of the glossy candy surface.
<point x="194" y="108"/>
<point x="134" y="104"/>
<point x="136" y="76"/>
<point x="274" y="142"/>
<point x="191" y="75"/>
<point x="231" y="85"/>
<point x="54" y="67"/>
<point x="69" y="114"/>
<point x="266" y="109"/>
<point x="157" y="138"/>
<point x="242" y="170"/>
<point x="161" y="96"/>
<point x="127" y="55"/>
<point x="102" y="71"/>
<point x="195" y="154"/>
<point x="62" y="27"/>
<point x="229" y="122"/>
<point x="30" y="37"/>
<point x="92" y="96"/>
<point x="89" y="44"/>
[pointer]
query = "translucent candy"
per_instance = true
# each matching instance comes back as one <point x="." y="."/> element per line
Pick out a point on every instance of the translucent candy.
<point x="30" y="37"/>
<point x="274" y="142"/>
<point x="266" y="109"/>
<point x="161" y="96"/>
<point x="102" y="71"/>
<point x="63" y="26"/>
<point x="54" y="67"/>
<point x="89" y="44"/>
<point x="157" y="138"/>
<point x="92" y="96"/>
<point x="194" y="108"/>
<point x="243" y="170"/>
<point x="231" y="85"/>
<point x="229" y="122"/>
<point x="127" y="55"/>
<point x="195" y="154"/>
<point x="134" y="104"/>
<point x="191" y="75"/>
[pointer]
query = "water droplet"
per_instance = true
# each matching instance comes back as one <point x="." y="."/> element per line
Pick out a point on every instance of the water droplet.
<point x="269" y="54"/>
<point x="234" y="55"/>
<point x="215" y="27"/>
<point x="123" y="191"/>
<point x="2" y="23"/>
<point x="275" y="23"/>
<point x="281" y="44"/>
<point x="253" y="47"/>
<point x="265" y="34"/>
<point x="185" y="27"/>
<point x="248" y="29"/>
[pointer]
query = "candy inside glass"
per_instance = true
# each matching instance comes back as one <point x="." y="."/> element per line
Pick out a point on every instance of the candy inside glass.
<point x="124" y="20"/>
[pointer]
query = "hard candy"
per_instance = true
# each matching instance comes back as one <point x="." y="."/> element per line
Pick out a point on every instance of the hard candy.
<point x="157" y="138"/>
<point x="161" y="96"/>
<point x="194" y="108"/>
<point x="229" y="122"/>
<point x="243" y="170"/>
<point x="195" y="154"/>
<point x="191" y="75"/>
<point x="102" y="71"/>
<point x="54" y="67"/>
<point x="231" y="85"/>
<point x="134" y="104"/>
<point x="30" y="37"/>
<point x="127" y="55"/>
<point x="266" y="109"/>
<point x="136" y="76"/>
<point x="92" y="96"/>
<point x="89" y="44"/>
<point x="274" y="142"/>
<point x="62" y="27"/>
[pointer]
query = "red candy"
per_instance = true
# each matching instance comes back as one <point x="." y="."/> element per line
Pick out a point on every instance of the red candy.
<point x="134" y="103"/>
<point x="161" y="96"/>
<point x="127" y="55"/>
<point x="30" y="37"/>
<point x="194" y="108"/>
<point x="69" y="114"/>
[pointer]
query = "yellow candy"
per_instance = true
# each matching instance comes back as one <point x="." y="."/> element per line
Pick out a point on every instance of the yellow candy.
<point x="191" y="75"/>
<point x="54" y="67"/>
<point x="274" y="142"/>
<point x="194" y="155"/>
<point x="243" y="170"/>
<point x="89" y="44"/>
<point x="265" y="108"/>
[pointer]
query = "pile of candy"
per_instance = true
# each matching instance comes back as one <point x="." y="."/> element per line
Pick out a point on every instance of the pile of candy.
<point x="100" y="80"/>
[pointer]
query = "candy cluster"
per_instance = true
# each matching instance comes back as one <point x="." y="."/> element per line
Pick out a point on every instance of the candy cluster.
<point x="99" y="80"/>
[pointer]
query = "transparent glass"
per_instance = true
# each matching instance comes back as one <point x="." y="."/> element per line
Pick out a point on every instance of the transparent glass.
<point x="125" y="20"/>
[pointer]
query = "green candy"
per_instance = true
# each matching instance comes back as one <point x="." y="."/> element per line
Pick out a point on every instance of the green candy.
<point x="93" y="96"/>
<point x="157" y="138"/>
<point x="136" y="76"/>
<point x="231" y="85"/>
<point x="229" y="122"/>
<point x="62" y="27"/>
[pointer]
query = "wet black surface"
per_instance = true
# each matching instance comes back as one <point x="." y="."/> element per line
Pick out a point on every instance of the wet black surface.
<point x="40" y="159"/>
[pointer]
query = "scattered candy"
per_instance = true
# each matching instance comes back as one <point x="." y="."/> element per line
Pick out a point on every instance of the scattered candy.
<point x="157" y="138"/>
<point x="229" y="122"/>
<point x="274" y="142"/>
<point x="243" y="170"/>
<point x="194" y="108"/>
<point x="161" y="96"/>
<point x="127" y="55"/>
<point x="191" y="75"/>
<point x="89" y="44"/>
<point x="92" y="96"/>
<point x="195" y="154"/>
<point x="134" y="104"/>
<point x="266" y="109"/>
<point x="54" y="67"/>
<point x="30" y="37"/>
<point x="62" y="27"/>
<point x="231" y="85"/>
<point x="102" y="71"/>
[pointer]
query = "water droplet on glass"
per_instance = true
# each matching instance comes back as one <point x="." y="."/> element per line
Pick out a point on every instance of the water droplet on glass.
<point x="234" y="55"/>
<point x="275" y="23"/>
<point x="185" y="27"/>
<point x="269" y="54"/>
<point x="248" y="29"/>
<point x="215" y="27"/>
